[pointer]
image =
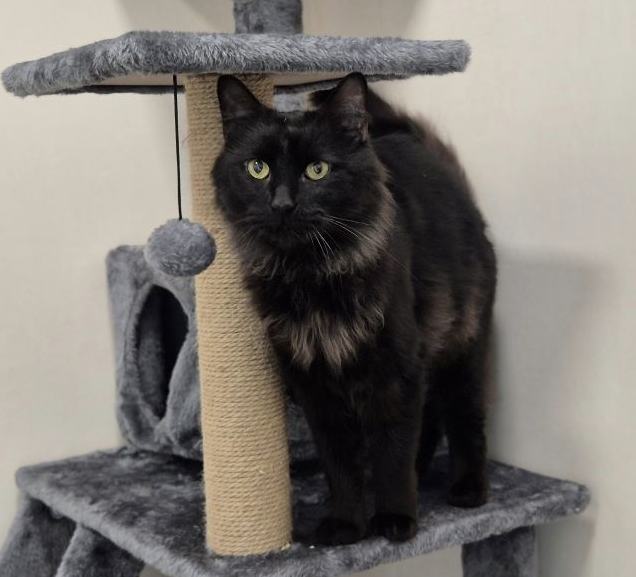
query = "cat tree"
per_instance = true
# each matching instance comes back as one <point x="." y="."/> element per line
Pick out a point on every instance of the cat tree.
<point x="175" y="337"/>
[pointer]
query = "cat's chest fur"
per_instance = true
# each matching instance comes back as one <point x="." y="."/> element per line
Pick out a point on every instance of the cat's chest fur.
<point x="327" y="319"/>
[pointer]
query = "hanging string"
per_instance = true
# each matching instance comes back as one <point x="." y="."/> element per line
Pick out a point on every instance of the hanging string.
<point x="176" y="139"/>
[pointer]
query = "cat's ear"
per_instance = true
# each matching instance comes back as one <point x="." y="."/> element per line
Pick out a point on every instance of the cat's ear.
<point x="235" y="99"/>
<point x="347" y="105"/>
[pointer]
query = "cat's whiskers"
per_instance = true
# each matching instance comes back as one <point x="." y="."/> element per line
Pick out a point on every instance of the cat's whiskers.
<point x="362" y="236"/>
<point x="334" y="242"/>
<point x="340" y="219"/>
<point x="246" y="239"/>
<point x="339" y="276"/>
<point x="328" y="246"/>
<point x="357" y="233"/>
<point x="322" y="249"/>
<point x="311" y="237"/>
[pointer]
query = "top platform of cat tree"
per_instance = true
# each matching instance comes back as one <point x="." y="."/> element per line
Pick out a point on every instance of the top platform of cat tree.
<point x="145" y="61"/>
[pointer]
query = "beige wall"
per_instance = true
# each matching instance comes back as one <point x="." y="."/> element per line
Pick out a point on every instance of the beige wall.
<point x="544" y="120"/>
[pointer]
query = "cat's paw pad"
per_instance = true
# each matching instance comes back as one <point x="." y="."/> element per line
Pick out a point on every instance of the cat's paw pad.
<point x="468" y="493"/>
<point x="335" y="531"/>
<point x="394" y="526"/>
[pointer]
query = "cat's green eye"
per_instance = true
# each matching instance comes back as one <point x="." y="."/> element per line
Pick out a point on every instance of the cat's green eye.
<point x="258" y="169"/>
<point x="317" y="170"/>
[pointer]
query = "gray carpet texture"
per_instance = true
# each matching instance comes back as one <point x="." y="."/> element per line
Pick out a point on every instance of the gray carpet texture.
<point x="91" y="555"/>
<point x="512" y="554"/>
<point x="150" y="53"/>
<point x="152" y="506"/>
<point x="277" y="16"/>
<point x="36" y="543"/>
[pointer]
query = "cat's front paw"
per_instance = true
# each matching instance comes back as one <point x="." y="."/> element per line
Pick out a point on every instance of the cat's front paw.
<point x="394" y="526"/>
<point x="468" y="493"/>
<point x="335" y="531"/>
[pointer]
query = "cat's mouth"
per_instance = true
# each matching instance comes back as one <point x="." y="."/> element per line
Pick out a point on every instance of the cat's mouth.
<point x="279" y="232"/>
<point x="287" y="232"/>
<point x="290" y="223"/>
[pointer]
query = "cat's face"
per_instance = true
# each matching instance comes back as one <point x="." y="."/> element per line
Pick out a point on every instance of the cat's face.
<point x="304" y="183"/>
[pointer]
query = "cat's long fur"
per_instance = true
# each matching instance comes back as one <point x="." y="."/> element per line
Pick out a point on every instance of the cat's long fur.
<point x="376" y="285"/>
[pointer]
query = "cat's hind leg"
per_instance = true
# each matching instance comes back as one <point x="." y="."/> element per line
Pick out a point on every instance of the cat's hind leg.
<point x="461" y="382"/>
<point x="432" y="429"/>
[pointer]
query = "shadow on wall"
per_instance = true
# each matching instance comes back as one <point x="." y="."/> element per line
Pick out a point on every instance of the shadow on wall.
<point x="545" y="311"/>
<point x="544" y="316"/>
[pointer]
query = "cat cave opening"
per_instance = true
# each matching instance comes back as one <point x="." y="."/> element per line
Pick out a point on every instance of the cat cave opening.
<point x="160" y="332"/>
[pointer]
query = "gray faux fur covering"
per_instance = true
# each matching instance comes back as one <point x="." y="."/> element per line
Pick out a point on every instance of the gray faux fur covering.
<point x="274" y="16"/>
<point x="45" y="544"/>
<point x="154" y="322"/>
<point x="36" y="542"/>
<point x="148" y="53"/>
<point x="157" y="386"/>
<point x="91" y="555"/>
<point x="512" y="554"/>
<point x="152" y="506"/>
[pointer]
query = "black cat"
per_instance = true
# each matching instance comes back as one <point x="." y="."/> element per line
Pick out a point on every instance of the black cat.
<point x="369" y="264"/>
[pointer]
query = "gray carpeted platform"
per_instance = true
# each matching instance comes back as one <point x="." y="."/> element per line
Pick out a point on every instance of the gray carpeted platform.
<point x="154" y="53"/>
<point x="151" y="505"/>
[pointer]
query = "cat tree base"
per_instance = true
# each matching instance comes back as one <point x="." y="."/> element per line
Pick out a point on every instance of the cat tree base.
<point x="512" y="554"/>
<point x="150" y="505"/>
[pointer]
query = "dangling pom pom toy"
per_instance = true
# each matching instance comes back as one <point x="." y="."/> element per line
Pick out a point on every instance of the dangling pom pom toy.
<point x="180" y="248"/>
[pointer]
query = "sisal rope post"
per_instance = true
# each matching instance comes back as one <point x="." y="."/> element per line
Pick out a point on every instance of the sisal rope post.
<point x="245" y="453"/>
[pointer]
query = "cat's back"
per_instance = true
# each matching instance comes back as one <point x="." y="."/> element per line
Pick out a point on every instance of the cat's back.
<point x="424" y="170"/>
<point x="451" y="258"/>
<point x="425" y="178"/>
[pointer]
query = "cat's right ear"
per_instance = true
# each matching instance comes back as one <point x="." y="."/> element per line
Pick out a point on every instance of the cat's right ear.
<point x="235" y="100"/>
<point x="346" y="104"/>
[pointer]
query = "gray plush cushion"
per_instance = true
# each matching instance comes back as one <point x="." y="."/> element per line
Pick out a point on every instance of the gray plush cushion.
<point x="152" y="506"/>
<point x="148" y="53"/>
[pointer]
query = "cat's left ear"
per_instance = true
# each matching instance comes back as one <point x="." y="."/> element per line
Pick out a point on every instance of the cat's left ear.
<point x="347" y="105"/>
<point x="235" y="99"/>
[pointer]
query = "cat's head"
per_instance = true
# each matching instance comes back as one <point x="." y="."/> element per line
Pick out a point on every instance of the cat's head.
<point x="302" y="186"/>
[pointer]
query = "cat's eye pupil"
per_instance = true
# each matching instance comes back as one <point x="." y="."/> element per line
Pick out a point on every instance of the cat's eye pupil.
<point x="258" y="169"/>
<point x="317" y="170"/>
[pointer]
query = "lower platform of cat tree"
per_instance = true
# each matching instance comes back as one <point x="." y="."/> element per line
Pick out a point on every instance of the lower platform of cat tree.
<point x="150" y="506"/>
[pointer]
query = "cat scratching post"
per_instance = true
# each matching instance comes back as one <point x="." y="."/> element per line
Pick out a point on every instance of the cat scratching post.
<point x="246" y="468"/>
